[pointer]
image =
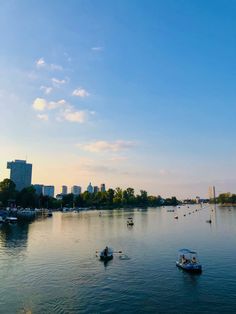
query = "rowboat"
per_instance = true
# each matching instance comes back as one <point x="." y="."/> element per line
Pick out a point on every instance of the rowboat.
<point x="106" y="254"/>
<point x="188" y="261"/>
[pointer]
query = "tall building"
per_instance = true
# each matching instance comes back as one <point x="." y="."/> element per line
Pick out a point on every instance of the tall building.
<point x="95" y="189"/>
<point x="76" y="190"/>
<point x="212" y="193"/>
<point x="64" y="190"/>
<point x="90" y="188"/>
<point x="38" y="188"/>
<point x="103" y="187"/>
<point x="20" y="173"/>
<point x="48" y="190"/>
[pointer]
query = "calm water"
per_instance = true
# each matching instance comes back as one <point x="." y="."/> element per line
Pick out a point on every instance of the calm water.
<point x="50" y="266"/>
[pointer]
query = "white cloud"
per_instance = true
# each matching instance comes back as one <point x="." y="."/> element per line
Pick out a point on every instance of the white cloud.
<point x="46" y="89"/>
<point x="99" y="48"/>
<point x="56" y="104"/>
<point x="72" y="115"/>
<point x="80" y="92"/>
<point x="100" y="146"/>
<point x="43" y="117"/>
<point x="40" y="63"/>
<point x="56" y="82"/>
<point x="39" y="104"/>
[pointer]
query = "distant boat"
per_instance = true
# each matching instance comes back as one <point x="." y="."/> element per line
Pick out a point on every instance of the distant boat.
<point x="106" y="254"/>
<point x="130" y="221"/>
<point x="209" y="221"/>
<point x="188" y="261"/>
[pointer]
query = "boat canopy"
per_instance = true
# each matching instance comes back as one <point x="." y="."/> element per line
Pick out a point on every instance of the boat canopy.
<point x="187" y="251"/>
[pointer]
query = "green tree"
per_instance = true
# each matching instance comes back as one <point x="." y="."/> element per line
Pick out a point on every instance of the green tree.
<point x="27" y="197"/>
<point x="7" y="191"/>
<point x="68" y="200"/>
<point x="118" y="197"/>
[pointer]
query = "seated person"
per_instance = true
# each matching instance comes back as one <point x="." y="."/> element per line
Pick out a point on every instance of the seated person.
<point x="106" y="251"/>
<point x="194" y="260"/>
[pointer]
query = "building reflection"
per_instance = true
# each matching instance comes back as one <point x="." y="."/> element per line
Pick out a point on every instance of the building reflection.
<point x="14" y="236"/>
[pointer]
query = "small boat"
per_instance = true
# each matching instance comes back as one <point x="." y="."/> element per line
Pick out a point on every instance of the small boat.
<point x="106" y="254"/>
<point x="11" y="220"/>
<point x="188" y="261"/>
<point x="130" y="221"/>
<point x="209" y="221"/>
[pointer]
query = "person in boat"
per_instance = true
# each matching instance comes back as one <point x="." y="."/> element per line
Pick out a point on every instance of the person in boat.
<point x="184" y="260"/>
<point x="194" y="261"/>
<point x="106" y="251"/>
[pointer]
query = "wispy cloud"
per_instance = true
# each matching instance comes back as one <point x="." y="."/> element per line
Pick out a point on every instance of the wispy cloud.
<point x="118" y="158"/>
<point x="80" y="92"/>
<point x="57" y="82"/>
<point x="72" y="115"/>
<point x="41" y="104"/>
<point x="101" y="146"/>
<point x="56" y="104"/>
<point x="98" y="48"/>
<point x="56" y="67"/>
<point x="43" y="117"/>
<point x="41" y="63"/>
<point x="46" y="89"/>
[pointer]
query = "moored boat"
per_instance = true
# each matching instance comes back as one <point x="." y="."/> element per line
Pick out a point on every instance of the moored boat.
<point x="11" y="220"/>
<point x="188" y="261"/>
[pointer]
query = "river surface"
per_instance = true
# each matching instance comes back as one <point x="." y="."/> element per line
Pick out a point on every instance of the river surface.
<point x="50" y="265"/>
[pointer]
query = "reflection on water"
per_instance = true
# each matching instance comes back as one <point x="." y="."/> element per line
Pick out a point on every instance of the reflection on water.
<point x="13" y="238"/>
<point x="50" y="266"/>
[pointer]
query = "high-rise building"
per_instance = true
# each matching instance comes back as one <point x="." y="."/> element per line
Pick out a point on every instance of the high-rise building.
<point x="64" y="190"/>
<point x="48" y="190"/>
<point x="20" y="173"/>
<point x="76" y="190"/>
<point x="38" y="188"/>
<point x="90" y="188"/>
<point x="212" y="193"/>
<point x="103" y="187"/>
<point x="95" y="189"/>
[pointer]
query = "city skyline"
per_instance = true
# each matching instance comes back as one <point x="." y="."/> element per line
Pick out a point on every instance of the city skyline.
<point x="88" y="91"/>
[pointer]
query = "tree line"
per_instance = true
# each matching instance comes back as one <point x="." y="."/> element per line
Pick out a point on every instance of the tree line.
<point x="226" y="198"/>
<point x="112" y="198"/>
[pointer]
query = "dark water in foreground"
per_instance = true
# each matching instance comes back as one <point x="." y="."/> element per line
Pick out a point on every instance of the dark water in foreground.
<point x="50" y="266"/>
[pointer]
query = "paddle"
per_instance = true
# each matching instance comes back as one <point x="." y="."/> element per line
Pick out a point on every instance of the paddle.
<point x="112" y="252"/>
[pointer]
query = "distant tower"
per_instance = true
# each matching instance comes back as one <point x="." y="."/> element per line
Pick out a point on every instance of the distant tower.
<point x="212" y="194"/>
<point x="20" y="173"/>
<point x="197" y="200"/>
<point x="48" y="190"/>
<point x="38" y="188"/>
<point x="103" y="187"/>
<point x="90" y="188"/>
<point x="64" y="190"/>
<point x="76" y="190"/>
<point x="95" y="189"/>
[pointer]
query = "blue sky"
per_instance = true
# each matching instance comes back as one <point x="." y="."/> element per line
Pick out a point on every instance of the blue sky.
<point x="130" y="93"/>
